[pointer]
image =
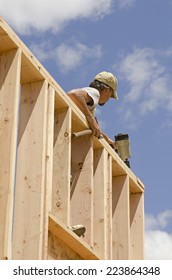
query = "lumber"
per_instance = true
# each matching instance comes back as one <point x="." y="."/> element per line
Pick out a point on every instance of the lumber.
<point x="48" y="168"/>
<point x="109" y="233"/>
<point x="9" y="99"/>
<point x="30" y="198"/>
<point x="136" y="226"/>
<point x="62" y="165"/>
<point x="55" y="174"/>
<point x="81" y="211"/>
<point x="71" y="239"/>
<point x="100" y="224"/>
<point x="121" y="217"/>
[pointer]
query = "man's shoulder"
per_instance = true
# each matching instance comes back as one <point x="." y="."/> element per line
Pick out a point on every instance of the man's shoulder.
<point x="91" y="90"/>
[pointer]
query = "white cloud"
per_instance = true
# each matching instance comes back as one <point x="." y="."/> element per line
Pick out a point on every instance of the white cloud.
<point x="160" y="221"/>
<point x="158" y="245"/>
<point x="44" y="15"/>
<point x="164" y="217"/>
<point x="158" y="95"/>
<point x="149" y="81"/>
<point x="140" y="68"/>
<point x="158" y="242"/>
<point x="67" y="56"/>
<point x="30" y="15"/>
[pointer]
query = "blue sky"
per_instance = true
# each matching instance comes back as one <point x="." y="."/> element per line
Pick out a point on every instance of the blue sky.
<point x="75" y="40"/>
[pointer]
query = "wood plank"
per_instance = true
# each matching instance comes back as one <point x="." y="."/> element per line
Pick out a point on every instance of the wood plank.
<point x="29" y="218"/>
<point x="10" y="63"/>
<point x="35" y="164"/>
<point x="29" y="71"/>
<point x="120" y="218"/>
<point x="71" y="239"/>
<point x="100" y="202"/>
<point x="137" y="226"/>
<point x="120" y="168"/>
<point x="62" y="165"/>
<point x="6" y="43"/>
<point x="109" y="209"/>
<point x="82" y="185"/>
<point x="58" y="250"/>
<point x="48" y="167"/>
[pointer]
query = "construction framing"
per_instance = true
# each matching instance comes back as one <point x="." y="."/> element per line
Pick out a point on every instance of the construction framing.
<point x="50" y="180"/>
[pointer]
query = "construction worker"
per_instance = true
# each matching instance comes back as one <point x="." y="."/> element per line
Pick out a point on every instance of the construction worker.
<point x="100" y="90"/>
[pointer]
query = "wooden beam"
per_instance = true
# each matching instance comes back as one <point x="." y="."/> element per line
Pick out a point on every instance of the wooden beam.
<point x="99" y="202"/>
<point x="120" y="218"/>
<point x="30" y="197"/>
<point x="10" y="63"/>
<point x="137" y="226"/>
<point x="62" y="165"/>
<point x="58" y="177"/>
<point x="29" y="71"/>
<point x="71" y="239"/>
<point x="48" y="167"/>
<point x="59" y="250"/>
<point x="6" y="43"/>
<point x="109" y="252"/>
<point x="82" y="185"/>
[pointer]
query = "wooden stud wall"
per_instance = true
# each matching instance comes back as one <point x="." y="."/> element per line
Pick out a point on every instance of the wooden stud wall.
<point x="50" y="180"/>
<point x="61" y="165"/>
<point x="9" y="98"/>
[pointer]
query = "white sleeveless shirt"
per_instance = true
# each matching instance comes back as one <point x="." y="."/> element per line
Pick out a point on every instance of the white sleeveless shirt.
<point x="95" y="95"/>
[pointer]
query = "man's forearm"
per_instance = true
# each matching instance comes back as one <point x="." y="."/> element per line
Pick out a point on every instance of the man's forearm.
<point x="80" y="101"/>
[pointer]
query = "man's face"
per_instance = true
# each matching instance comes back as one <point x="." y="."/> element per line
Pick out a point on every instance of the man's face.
<point x="105" y="95"/>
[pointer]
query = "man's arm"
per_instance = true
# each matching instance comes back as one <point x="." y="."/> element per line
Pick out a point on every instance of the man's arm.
<point x="81" y="98"/>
